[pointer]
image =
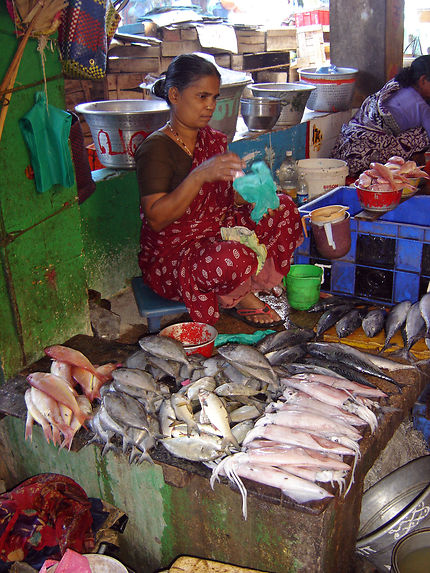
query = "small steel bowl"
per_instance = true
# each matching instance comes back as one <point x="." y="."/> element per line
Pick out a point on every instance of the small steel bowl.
<point x="260" y="113"/>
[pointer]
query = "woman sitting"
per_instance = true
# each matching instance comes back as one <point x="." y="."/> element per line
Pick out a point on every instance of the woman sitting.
<point x="185" y="176"/>
<point x="393" y="121"/>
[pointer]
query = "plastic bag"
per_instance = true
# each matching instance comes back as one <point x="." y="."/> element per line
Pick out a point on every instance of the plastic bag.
<point x="46" y="130"/>
<point x="258" y="187"/>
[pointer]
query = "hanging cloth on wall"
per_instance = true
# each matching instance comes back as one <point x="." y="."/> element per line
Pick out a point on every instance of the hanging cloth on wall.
<point x="46" y="130"/>
<point x="82" y="39"/>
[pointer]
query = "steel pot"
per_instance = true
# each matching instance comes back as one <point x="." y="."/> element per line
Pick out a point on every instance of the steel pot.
<point x="118" y="127"/>
<point x="260" y="113"/>
<point x="293" y="98"/>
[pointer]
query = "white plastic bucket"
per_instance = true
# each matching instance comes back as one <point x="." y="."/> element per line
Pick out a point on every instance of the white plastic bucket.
<point x="323" y="175"/>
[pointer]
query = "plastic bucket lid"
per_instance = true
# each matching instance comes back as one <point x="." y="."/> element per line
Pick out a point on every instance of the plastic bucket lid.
<point x="303" y="284"/>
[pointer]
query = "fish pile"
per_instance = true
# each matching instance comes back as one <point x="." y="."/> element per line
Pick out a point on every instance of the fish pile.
<point x="303" y="438"/>
<point x="394" y="175"/>
<point x="288" y="412"/>
<point x="53" y="400"/>
<point x="349" y="314"/>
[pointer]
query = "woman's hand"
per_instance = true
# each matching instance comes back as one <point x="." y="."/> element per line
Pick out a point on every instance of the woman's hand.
<point x="223" y="167"/>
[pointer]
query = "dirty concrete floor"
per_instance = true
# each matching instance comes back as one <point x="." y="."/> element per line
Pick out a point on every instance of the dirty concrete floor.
<point x="406" y="444"/>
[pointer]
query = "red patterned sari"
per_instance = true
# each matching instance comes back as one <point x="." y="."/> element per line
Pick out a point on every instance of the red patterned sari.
<point x="189" y="261"/>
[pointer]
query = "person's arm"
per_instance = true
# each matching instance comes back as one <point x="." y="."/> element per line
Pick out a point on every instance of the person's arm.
<point x="161" y="209"/>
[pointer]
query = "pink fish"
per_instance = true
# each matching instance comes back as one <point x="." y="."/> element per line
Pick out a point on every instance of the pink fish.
<point x="64" y="370"/>
<point x="74" y="357"/>
<point x="89" y="382"/>
<point x="58" y="389"/>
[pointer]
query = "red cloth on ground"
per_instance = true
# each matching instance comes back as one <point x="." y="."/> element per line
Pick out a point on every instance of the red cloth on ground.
<point x="46" y="510"/>
<point x="189" y="261"/>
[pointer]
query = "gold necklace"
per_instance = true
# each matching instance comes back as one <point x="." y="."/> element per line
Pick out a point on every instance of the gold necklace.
<point x="180" y="140"/>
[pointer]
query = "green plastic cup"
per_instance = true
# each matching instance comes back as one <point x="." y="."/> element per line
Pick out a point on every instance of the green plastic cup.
<point x="303" y="284"/>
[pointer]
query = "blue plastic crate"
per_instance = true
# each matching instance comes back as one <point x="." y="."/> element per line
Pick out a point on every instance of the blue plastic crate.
<point x="389" y="259"/>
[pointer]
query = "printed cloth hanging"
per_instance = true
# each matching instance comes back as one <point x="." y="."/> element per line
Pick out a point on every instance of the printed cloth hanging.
<point x="82" y="39"/>
<point x="46" y="130"/>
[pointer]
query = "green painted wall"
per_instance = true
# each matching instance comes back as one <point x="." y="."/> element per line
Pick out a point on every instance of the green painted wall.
<point x="43" y="298"/>
<point x="110" y="231"/>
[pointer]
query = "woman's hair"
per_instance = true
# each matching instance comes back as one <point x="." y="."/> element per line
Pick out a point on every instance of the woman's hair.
<point x="183" y="71"/>
<point x="410" y="76"/>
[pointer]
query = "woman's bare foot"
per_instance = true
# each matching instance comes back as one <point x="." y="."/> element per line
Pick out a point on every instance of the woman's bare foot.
<point x="251" y="302"/>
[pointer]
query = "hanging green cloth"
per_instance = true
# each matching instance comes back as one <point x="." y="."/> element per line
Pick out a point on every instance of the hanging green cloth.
<point x="46" y="130"/>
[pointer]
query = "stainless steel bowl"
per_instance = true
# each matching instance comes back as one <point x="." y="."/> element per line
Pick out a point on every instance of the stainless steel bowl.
<point x="260" y="113"/>
<point x="118" y="127"/>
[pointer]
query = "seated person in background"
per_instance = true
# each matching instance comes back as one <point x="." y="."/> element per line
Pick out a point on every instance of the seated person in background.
<point x="393" y="121"/>
<point x="185" y="175"/>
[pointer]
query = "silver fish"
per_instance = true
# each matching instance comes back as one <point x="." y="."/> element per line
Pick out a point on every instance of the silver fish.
<point x="330" y="317"/>
<point x="232" y="389"/>
<point x="183" y="411"/>
<point x="425" y="312"/>
<point x="167" y="418"/>
<point x="164" y="347"/>
<point x="244" y="354"/>
<point x="415" y="326"/>
<point x="137" y="360"/>
<point x="214" y="409"/>
<point x="373" y="322"/>
<point x="241" y="430"/>
<point x="168" y="366"/>
<point x="135" y="377"/>
<point x="349" y="323"/>
<point x="290" y="337"/>
<point x="395" y="320"/>
<point x="243" y="413"/>
<point x="125" y="410"/>
<point x="202" y="448"/>
<point x="192" y="390"/>
<point x="285" y="355"/>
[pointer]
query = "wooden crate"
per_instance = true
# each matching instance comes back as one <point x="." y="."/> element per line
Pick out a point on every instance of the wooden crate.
<point x="311" y="43"/>
<point x="250" y="40"/>
<point x="281" y="39"/>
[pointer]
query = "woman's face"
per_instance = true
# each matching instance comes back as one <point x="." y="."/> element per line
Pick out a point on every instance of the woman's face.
<point x="424" y="88"/>
<point x="194" y="106"/>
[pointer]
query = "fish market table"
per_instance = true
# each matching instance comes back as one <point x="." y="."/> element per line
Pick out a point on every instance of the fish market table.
<point x="171" y="507"/>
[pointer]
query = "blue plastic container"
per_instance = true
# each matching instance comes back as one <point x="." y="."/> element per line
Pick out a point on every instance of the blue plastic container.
<point x="389" y="259"/>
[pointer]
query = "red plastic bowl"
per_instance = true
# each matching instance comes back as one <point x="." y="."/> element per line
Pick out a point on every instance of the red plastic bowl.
<point x="379" y="201"/>
<point x="196" y="337"/>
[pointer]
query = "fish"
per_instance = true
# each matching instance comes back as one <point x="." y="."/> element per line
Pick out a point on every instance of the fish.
<point x="58" y="389"/>
<point x="285" y="355"/>
<point x="425" y="312"/>
<point x="73" y="357"/>
<point x="373" y="322"/>
<point x="126" y="410"/>
<point x="298" y="489"/>
<point x="232" y="389"/>
<point x="49" y="409"/>
<point x="294" y="437"/>
<point x="168" y="366"/>
<point x="192" y="390"/>
<point x="184" y="412"/>
<point x="386" y="363"/>
<point x="330" y="317"/>
<point x="340" y="368"/>
<point x="167" y="417"/>
<point x="310" y="422"/>
<point x="203" y="448"/>
<point x="164" y="347"/>
<point x="215" y="411"/>
<point x="395" y="320"/>
<point x="243" y="413"/>
<point x="138" y="359"/>
<point x="135" y="377"/>
<point x="317" y="475"/>
<point x="415" y="329"/>
<point x="351" y="356"/>
<point x="34" y="415"/>
<point x="349" y="385"/>
<point x="350" y="322"/>
<point x="241" y="430"/>
<point x="313" y="365"/>
<point x="291" y="337"/>
<point x="328" y="302"/>
<point x="250" y="361"/>
<point x="90" y="383"/>
<point x="63" y="370"/>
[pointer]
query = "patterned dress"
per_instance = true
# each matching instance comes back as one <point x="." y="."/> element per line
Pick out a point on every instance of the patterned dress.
<point x="373" y="134"/>
<point x="189" y="261"/>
